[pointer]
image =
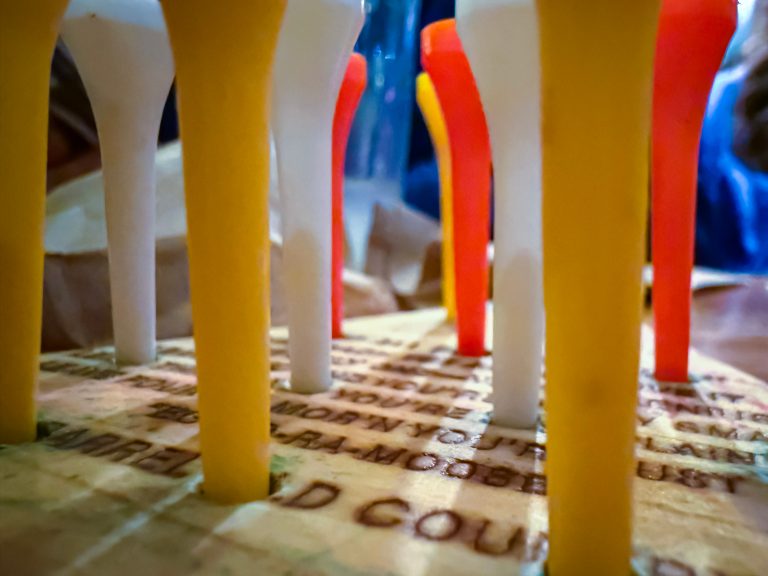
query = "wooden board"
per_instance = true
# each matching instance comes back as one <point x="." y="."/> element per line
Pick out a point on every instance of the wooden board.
<point x="395" y="471"/>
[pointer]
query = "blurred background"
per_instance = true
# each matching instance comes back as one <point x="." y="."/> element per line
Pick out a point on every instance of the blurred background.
<point x="391" y="187"/>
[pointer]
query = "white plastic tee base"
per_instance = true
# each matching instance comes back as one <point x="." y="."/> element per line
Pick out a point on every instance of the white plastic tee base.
<point x="315" y="45"/>
<point x="500" y="38"/>
<point x="122" y="52"/>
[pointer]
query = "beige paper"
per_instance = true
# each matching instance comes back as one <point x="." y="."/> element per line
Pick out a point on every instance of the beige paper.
<point x="77" y="300"/>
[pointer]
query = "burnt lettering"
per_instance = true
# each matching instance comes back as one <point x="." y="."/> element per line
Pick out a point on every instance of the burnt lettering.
<point x="439" y="525"/>
<point x="305" y="439"/>
<point x="393" y="402"/>
<point x="356" y="396"/>
<point x="332" y="446"/>
<point x="117" y="448"/>
<point x="385" y="513"/>
<point x="484" y="544"/>
<point x="351" y="377"/>
<point x="461" y="469"/>
<point x="344" y="418"/>
<point x="381" y="454"/>
<point x="417" y="430"/>
<point x="499" y="476"/>
<point x="88" y="371"/>
<point x="174" y="413"/>
<point x="398" y="384"/>
<point x="166" y="462"/>
<point x="157" y="384"/>
<point x="316" y="413"/>
<point x="458" y="413"/>
<point x="486" y="442"/>
<point x="316" y="495"/>
<point x="123" y="451"/>
<point x="535" y="484"/>
<point x="100" y="442"/>
<point x="67" y="439"/>
<point x="176" y="367"/>
<point x="422" y="462"/>
<point x="452" y="436"/>
<point x="288" y="408"/>
<point x="383" y="424"/>
<point x="431" y="409"/>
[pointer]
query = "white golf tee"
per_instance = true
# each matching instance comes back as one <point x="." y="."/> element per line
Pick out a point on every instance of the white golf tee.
<point x="500" y="38"/>
<point x="121" y="50"/>
<point x="315" y="45"/>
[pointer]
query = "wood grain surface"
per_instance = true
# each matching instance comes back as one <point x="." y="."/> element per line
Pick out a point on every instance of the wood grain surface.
<point x="397" y="470"/>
